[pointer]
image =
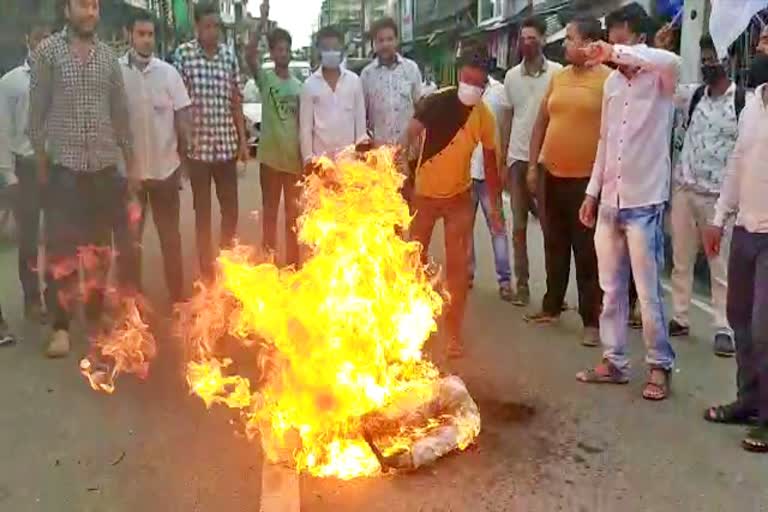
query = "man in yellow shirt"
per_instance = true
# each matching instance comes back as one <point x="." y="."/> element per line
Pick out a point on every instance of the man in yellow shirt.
<point x="565" y="135"/>
<point x="454" y="121"/>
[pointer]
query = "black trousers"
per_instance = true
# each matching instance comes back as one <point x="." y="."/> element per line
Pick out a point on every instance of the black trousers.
<point x="224" y="175"/>
<point x="27" y="206"/>
<point x="564" y="233"/>
<point x="162" y="196"/>
<point x="748" y="315"/>
<point x="81" y="211"/>
<point x="275" y="184"/>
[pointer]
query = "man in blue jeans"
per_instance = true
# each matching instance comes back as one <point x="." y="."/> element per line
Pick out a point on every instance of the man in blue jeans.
<point x="631" y="182"/>
<point x="495" y="98"/>
<point x="744" y="190"/>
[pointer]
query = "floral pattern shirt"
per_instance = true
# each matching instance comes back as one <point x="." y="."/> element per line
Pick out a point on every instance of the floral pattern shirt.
<point x="391" y="94"/>
<point x="708" y="141"/>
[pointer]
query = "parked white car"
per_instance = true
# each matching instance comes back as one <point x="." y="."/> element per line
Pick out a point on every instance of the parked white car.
<point x="252" y="112"/>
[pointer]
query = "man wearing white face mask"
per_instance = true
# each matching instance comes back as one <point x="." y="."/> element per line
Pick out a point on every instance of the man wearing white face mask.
<point x="454" y="121"/>
<point x="160" y="110"/>
<point x="332" y="106"/>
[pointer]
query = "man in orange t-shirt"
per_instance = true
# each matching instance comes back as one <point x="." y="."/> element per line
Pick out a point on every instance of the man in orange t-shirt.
<point x="565" y="139"/>
<point x="453" y="122"/>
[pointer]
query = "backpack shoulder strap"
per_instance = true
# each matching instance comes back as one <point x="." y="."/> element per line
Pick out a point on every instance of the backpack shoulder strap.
<point x="740" y="99"/>
<point x="695" y="100"/>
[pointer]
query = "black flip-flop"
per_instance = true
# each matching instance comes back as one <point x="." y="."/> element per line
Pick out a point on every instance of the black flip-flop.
<point x="730" y="414"/>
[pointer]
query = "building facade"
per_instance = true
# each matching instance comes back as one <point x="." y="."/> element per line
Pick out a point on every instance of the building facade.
<point x="353" y="18"/>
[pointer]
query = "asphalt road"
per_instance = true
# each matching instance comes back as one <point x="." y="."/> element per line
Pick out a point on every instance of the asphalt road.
<point x="548" y="443"/>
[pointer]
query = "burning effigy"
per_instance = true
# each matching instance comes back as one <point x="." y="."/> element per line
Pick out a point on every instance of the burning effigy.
<point x="341" y="386"/>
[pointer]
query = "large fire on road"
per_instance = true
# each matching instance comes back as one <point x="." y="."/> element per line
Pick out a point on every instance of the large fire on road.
<point x="342" y="386"/>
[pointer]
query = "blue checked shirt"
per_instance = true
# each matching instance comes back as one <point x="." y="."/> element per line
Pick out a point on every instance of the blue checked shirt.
<point x="214" y="88"/>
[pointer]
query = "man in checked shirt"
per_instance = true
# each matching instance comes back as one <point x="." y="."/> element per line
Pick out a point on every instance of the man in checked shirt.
<point x="212" y="75"/>
<point x="78" y="125"/>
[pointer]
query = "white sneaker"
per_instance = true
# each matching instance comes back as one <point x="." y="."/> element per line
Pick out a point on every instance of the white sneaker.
<point x="6" y="336"/>
<point x="58" y="346"/>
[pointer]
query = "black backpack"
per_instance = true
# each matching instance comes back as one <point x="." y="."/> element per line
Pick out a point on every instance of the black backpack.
<point x="740" y="99"/>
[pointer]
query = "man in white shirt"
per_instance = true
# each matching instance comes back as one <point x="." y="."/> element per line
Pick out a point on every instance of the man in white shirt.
<point x="744" y="192"/>
<point x="711" y="113"/>
<point x="525" y="84"/>
<point x="391" y="86"/>
<point x="159" y="108"/>
<point x="630" y="181"/>
<point x="332" y="105"/>
<point x="496" y="99"/>
<point x="17" y="164"/>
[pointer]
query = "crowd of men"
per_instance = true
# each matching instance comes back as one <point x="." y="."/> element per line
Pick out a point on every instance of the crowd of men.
<point x="94" y="140"/>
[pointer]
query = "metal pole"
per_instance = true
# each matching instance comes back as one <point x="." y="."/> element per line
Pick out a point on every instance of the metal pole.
<point x="362" y="29"/>
<point x="693" y="28"/>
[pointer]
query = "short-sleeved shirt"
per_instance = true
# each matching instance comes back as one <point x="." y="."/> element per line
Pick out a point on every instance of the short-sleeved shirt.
<point x="155" y="94"/>
<point x="575" y="104"/>
<point x="279" y="146"/>
<point x="390" y="96"/>
<point x="708" y="141"/>
<point x="496" y="100"/>
<point x="452" y="132"/>
<point x="213" y="85"/>
<point x="524" y="94"/>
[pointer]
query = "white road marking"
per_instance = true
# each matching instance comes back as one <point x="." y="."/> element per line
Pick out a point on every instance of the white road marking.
<point x="696" y="302"/>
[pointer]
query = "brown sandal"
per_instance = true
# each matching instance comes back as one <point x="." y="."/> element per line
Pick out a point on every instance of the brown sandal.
<point x="604" y="373"/>
<point x="656" y="390"/>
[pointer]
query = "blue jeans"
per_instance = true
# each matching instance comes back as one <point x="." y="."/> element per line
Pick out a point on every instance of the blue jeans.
<point x="624" y="237"/>
<point x="499" y="242"/>
<point x="748" y="315"/>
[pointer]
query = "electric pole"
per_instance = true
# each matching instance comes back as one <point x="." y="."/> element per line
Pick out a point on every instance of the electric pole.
<point x="362" y="29"/>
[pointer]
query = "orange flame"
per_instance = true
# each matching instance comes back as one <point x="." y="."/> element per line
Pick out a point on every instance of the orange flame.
<point x="128" y="347"/>
<point x="340" y="339"/>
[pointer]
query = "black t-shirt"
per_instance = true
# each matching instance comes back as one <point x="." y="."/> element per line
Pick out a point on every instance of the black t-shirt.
<point x="443" y="115"/>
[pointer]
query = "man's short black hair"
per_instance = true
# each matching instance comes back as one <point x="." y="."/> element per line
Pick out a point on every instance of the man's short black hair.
<point x="475" y="56"/>
<point x="35" y="23"/>
<point x="141" y="16"/>
<point x="706" y="43"/>
<point x="205" y="8"/>
<point x="279" y="35"/>
<point x="328" y="33"/>
<point x="535" y="22"/>
<point x="634" y="15"/>
<point x="589" y="27"/>
<point x="383" y="24"/>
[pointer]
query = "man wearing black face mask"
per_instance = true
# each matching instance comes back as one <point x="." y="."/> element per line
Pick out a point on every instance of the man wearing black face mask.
<point x="711" y="114"/>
